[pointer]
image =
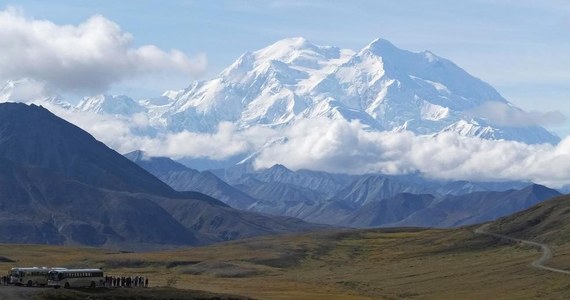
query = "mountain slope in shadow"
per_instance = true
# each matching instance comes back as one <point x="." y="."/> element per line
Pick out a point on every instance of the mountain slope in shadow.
<point x="59" y="185"/>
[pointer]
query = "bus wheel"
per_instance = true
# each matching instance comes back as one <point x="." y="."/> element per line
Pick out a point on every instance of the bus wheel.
<point x="66" y="286"/>
<point x="93" y="284"/>
<point x="56" y="287"/>
<point x="29" y="283"/>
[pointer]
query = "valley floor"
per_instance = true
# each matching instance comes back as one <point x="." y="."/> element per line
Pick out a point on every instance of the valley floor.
<point x="363" y="264"/>
<point x="39" y="293"/>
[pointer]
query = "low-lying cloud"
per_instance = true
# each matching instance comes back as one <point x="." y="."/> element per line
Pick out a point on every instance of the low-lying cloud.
<point x="125" y="134"/>
<point x="346" y="147"/>
<point x="339" y="146"/>
<point x="89" y="56"/>
<point x="505" y="115"/>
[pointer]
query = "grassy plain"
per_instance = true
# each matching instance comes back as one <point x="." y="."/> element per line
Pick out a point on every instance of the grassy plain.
<point x="358" y="264"/>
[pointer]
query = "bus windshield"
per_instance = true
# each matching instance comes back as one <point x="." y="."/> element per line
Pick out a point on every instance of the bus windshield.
<point x="15" y="273"/>
<point x="56" y="276"/>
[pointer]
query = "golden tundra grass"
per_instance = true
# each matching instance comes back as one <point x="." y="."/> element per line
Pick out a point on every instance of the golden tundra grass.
<point x="365" y="264"/>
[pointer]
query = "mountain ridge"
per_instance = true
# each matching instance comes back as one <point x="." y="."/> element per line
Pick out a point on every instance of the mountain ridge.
<point x="363" y="201"/>
<point x="184" y="179"/>
<point x="383" y="87"/>
<point x="59" y="185"/>
<point x="33" y="135"/>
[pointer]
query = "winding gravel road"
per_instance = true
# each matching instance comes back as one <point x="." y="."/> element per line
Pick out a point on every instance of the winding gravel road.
<point x="539" y="263"/>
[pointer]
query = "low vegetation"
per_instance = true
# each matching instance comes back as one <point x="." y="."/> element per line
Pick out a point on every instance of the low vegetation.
<point x="132" y="294"/>
<point x="364" y="264"/>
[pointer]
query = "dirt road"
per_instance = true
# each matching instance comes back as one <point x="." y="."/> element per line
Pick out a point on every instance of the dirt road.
<point x="540" y="262"/>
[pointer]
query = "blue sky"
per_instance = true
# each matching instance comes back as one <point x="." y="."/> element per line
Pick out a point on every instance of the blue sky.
<point x="520" y="47"/>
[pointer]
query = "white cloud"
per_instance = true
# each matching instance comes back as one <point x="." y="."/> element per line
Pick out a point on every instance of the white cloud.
<point x="23" y="90"/>
<point x="505" y="115"/>
<point x="224" y="143"/>
<point x="125" y="134"/>
<point x="90" y="56"/>
<point x="345" y="147"/>
<point x="338" y="146"/>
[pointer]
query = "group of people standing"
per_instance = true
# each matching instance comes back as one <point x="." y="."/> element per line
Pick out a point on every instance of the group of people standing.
<point x="126" y="281"/>
<point x="5" y="280"/>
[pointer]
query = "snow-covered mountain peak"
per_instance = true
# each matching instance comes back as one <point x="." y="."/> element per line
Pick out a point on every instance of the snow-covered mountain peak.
<point x="292" y="61"/>
<point x="298" y="52"/>
<point x="10" y="84"/>
<point x="381" y="86"/>
<point x="402" y="63"/>
<point x="381" y="47"/>
<point x="481" y="128"/>
<point x="165" y="99"/>
<point x="30" y="91"/>
<point x="430" y="57"/>
<point x="111" y="104"/>
<point x="24" y="90"/>
<point x="285" y="46"/>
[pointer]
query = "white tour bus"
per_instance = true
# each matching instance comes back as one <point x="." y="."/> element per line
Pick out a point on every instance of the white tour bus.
<point x="30" y="276"/>
<point x="76" y="278"/>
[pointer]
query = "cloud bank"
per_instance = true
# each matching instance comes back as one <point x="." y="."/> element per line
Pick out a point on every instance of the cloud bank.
<point x="338" y="146"/>
<point x="505" y="115"/>
<point x="345" y="147"/>
<point x="90" y="56"/>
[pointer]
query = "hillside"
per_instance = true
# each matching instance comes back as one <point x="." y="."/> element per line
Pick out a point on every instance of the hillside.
<point x="394" y="263"/>
<point x="182" y="178"/>
<point x="40" y="206"/>
<point x="353" y="265"/>
<point x="353" y="201"/>
<point x="34" y="136"/>
<point x="477" y="207"/>
<point x="547" y="222"/>
<point x="61" y="186"/>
